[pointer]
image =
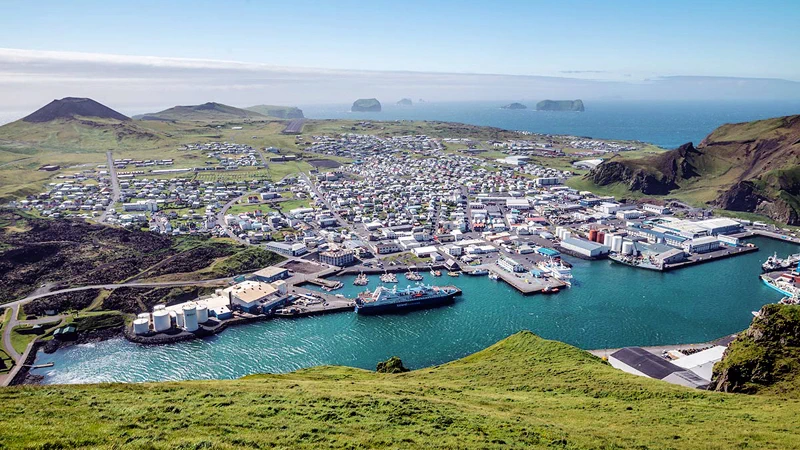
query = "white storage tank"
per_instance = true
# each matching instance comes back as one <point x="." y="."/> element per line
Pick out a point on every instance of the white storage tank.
<point x="143" y="316"/>
<point x="627" y="248"/>
<point x="190" y="317"/>
<point x="566" y="235"/>
<point x="161" y="320"/>
<point x="202" y="313"/>
<point x="558" y="231"/>
<point x="616" y="244"/>
<point x="141" y="326"/>
<point x="179" y="318"/>
<point x="158" y="308"/>
<point x="607" y="240"/>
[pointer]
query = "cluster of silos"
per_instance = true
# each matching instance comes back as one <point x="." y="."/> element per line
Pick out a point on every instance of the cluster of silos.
<point x="616" y="243"/>
<point x="189" y="317"/>
<point x="629" y="248"/>
<point x="563" y="233"/>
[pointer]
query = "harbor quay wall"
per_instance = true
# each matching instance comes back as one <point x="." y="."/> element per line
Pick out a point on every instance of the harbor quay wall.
<point x="711" y="256"/>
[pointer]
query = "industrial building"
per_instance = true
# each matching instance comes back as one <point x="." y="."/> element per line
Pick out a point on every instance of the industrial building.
<point x="720" y="226"/>
<point x="583" y="247"/>
<point x="287" y="249"/>
<point x="271" y="273"/>
<point x="702" y="244"/>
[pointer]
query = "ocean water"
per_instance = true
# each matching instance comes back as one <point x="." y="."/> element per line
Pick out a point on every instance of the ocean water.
<point x="610" y="306"/>
<point x="667" y="124"/>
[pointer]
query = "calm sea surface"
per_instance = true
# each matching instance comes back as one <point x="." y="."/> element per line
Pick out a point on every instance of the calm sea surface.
<point x="610" y="306"/>
<point x="666" y="124"/>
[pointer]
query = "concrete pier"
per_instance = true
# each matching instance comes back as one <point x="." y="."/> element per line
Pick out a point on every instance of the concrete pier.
<point x="527" y="283"/>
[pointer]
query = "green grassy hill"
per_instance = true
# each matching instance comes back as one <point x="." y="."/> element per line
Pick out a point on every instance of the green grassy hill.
<point x="207" y="112"/>
<point x="522" y="392"/>
<point x="748" y="167"/>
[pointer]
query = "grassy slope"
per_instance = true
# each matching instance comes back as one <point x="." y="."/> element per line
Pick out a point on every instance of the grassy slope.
<point x="523" y="391"/>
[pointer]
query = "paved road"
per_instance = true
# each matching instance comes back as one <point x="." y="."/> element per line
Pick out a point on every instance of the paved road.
<point x="112" y="170"/>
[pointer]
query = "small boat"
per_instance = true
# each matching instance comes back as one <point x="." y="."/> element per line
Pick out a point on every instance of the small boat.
<point x="453" y="274"/>
<point x="550" y="290"/>
<point x="389" y="278"/>
<point x="413" y="276"/>
<point x="494" y="276"/>
<point x="361" y="280"/>
<point x="436" y="273"/>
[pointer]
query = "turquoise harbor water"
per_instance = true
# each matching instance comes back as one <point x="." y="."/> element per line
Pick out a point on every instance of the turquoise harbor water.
<point x="609" y="306"/>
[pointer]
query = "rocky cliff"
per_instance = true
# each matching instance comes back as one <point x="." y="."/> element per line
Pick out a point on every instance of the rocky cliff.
<point x="514" y="106"/>
<point x="751" y="167"/>
<point x="366" y="105"/>
<point x="560" y="105"/>
<point x="766" y="356"/>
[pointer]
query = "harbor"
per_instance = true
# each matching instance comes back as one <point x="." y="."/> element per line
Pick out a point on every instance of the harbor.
<point x="609" y="306"/>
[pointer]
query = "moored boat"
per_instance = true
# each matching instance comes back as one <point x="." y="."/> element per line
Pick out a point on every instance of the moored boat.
<point x="453" y="274"/>
<point x="436" y="273"/>
<point x="478" y="272"/>
<point x="384" y="300"/>
<point x="361" y="280"/>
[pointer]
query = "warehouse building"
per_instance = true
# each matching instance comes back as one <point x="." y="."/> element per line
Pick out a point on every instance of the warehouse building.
<point x="271" y="273"/>
<point x="702" y="244"/>
<point x="584" y="248"/>
<point x="720" y="226"/>
<point x="510" y="265"/>
<point x="287" y="249"/>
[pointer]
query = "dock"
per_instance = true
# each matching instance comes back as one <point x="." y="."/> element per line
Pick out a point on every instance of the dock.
<point x="328" y="303"/>
<point x="716" y="255"/>
<point x="322" y="282"/>
<point x="527" y="284"/>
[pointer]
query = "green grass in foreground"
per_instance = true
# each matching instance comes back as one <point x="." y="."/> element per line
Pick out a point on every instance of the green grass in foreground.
<point x="522" y="392"/>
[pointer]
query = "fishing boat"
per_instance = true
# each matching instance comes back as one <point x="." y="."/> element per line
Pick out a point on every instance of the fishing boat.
<point x="783" y="284"/>
<point x="384" y="300"/>
<point x="453" y="274"/>
<point x="494" y="276"/>
<point x="436" y="273"/>
<point x="413" y="276"/>
<point x="478" y="272"/>
<point x="389" y="278"/>
<point x="774" y="263"/>
<point x="361" y="280"/>
<point x="550" y="290"/>
<point x="337" y="285"/>
<point x="557" y="270"/>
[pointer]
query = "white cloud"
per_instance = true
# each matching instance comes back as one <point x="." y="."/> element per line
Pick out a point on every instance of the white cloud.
<point x="31" y="78"/>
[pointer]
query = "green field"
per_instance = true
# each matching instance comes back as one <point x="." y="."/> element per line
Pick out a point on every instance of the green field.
<point x="521" y="392"/>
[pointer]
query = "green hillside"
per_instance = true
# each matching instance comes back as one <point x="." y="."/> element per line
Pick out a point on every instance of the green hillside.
<point x="522" y="392"/>
<point x="207" y="112"/>
<point x="747" y="167"/>
<point x="279" y="112"/>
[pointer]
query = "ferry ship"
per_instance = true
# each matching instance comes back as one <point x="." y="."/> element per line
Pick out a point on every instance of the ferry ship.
<point x="384" y="300"/>
<point x="774" y="263"/>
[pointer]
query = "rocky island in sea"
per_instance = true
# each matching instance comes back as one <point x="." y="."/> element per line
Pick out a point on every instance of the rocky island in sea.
<point x="514" y="106"/>
<point x="405" y="102"/>
<point x="366" y="104"/>
<point x="560" y="105"/>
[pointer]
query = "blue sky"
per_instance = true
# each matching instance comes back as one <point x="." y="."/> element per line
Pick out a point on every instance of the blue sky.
<point x="144" y="55"/>
<point x="609" y="40"/>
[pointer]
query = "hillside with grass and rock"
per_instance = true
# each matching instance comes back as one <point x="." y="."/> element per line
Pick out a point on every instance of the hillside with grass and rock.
<point x="747" y="167"/>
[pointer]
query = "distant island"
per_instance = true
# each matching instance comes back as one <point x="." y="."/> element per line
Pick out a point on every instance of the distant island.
<point x="280" y="112"/>
<point x="405" y="102"/>
<point x="514" y="106"/>
<point x="560" y="105"/>
<point x="366" y="104"/>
